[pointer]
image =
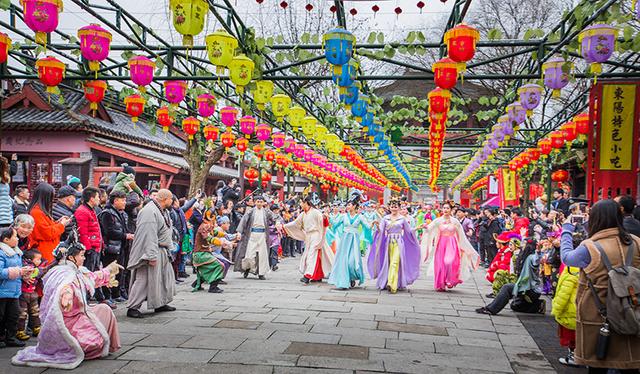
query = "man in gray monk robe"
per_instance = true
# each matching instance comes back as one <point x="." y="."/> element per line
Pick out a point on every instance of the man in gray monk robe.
<point x="152" y="277"/>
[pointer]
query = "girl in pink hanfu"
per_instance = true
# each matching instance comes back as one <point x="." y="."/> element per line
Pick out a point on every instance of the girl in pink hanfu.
<point x="72" y="330"/>
<point x="448" y="254"/>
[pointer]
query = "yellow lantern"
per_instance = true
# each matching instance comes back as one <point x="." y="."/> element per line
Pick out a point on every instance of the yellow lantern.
<point x="241" y="72"/>
<point x="262" y="94"/>
<point x="309" y="126"/>
<point x="296" y="114"/>
<point x="320" y="133"/>
<point x="188" y="18"/>
<point x="221" y="47"/>
<point x="333" y="144"/>
<point x="280" y="106"/>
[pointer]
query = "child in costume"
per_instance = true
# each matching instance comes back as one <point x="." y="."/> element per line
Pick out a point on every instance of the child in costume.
<point x="394" y="258"/>
<point x="29" y="303"/>
<point x="207" y="259"/>
<point x="347" y="268"/>
<point x="507" y="243"/>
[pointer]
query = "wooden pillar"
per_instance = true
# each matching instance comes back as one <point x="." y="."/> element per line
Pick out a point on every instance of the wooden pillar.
<point x="280" y="180"/>
<point x="163" y="180"/>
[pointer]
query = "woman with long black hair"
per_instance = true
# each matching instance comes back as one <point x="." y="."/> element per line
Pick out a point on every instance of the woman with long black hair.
<point x="607" y="238"/>
<point x="526" y="290"/>
<point x="46" y="232"/>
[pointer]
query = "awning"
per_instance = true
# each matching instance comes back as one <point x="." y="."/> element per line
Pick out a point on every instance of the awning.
<point x="494" y="201"/>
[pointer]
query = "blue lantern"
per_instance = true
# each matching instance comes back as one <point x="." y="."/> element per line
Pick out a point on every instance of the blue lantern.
<point x="359" y="108"/>
<point x="378" y="138"/>
<point x="338" y="47"/>
<point x="367" y="120"/>
<point x="351" y="95"/>
<point x="347" y="76"/>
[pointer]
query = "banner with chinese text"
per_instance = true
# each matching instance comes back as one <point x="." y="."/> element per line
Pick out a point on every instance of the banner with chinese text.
<point x="616" y="130"/>
<point x="508" y="188"/>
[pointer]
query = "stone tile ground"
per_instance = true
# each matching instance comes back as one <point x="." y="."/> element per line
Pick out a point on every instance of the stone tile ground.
<point x="282" y="326"/>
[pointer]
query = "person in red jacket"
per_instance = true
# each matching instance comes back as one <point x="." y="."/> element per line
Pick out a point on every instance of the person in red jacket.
<point x="506" y="247"/>
<point x="89" y="232"/>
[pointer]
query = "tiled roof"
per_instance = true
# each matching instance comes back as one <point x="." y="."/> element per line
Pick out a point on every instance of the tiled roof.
<point x="67" y="117"/>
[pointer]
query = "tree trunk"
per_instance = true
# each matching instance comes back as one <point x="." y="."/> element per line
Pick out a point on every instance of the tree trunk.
<point x="199" y="168"/>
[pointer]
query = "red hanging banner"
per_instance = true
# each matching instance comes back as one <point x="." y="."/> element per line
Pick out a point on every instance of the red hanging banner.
<point x="507" y="188"/>
<point x="612" y="166"/>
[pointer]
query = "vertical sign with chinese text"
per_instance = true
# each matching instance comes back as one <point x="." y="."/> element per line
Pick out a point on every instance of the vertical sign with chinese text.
<point x="616" y="129"/>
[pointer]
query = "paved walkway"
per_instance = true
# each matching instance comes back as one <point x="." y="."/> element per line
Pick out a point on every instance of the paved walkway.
<point x="282" y="326"/>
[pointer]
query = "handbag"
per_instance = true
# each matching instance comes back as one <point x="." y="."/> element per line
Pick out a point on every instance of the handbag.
<point x="112" y="247"/>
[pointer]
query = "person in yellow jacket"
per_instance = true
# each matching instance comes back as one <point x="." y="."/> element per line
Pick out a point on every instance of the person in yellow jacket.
<point x="564" y="310"/>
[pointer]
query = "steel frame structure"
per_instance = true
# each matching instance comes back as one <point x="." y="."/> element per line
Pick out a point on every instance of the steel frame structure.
<point x="180" y="65"/>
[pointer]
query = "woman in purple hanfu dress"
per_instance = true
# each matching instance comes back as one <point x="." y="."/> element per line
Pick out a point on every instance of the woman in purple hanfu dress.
<point x="394" y="257"/>
<point x="72" y="330"/>
<point x="449" y="255"/>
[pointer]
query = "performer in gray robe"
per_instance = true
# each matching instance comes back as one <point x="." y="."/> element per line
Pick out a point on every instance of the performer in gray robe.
<point x="152" y="277"/>
<point x="252" y="254"/>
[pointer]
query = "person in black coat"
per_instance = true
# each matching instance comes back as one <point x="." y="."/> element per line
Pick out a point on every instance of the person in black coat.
<point x="560" y="203"/>
<point x="116" y="238"/>
<point x="64" y="208"/>
<point x="490" y="228"/>
<point x="627" y="205"/>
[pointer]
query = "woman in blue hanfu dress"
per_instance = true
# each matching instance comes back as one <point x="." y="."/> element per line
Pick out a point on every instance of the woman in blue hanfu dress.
<point x="347" y="268"/>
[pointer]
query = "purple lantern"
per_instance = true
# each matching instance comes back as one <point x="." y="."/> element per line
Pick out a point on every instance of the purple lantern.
<point x="497" y="132"/>
<point x="555" y="77"/>
<point x="517" y="114"/>
<point x="597" y="43"/>
<point x="530" y="95"/>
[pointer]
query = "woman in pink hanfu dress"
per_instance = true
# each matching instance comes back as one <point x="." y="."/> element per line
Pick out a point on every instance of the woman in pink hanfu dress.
<point x="449" y="255"/>
<point x="72" y="330"/>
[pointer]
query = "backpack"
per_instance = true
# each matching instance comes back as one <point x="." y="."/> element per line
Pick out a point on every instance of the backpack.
<point x="622" y="305"/>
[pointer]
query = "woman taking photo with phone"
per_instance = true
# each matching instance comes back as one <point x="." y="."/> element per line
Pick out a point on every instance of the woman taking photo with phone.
<point x="597" y="346"/>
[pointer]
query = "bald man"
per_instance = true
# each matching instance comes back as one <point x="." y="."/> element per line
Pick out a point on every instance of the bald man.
<point x="152" y="277"/>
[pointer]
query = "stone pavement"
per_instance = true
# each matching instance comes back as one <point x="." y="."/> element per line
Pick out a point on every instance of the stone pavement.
<point x="282" y="326"/>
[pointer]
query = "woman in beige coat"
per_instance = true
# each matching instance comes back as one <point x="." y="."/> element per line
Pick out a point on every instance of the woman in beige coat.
<point x="605" y="227"/>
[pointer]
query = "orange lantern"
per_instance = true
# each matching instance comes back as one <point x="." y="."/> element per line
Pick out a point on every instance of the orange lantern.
<point x="251" y="174"/>
<point x="569" y="131"/>
<point x="582" y="123"/>
<point x="242" y="144"/>
<point x="270" y="155"/>
<point x="266" y="178"/>
<point x="164" y="118"/>
<point x="135" y="106"/>
<point x="257" y="149"/>
<point x="211" y="133"/>
<point x="227" y="139"/>
<point x="191" y="126"/>
<point x="94" y="93"/>
<point x="50" y="72"/>
<point x="560" y="176"/>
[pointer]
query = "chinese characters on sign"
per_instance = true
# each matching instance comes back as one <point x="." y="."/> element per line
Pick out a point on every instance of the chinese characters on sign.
<point x="509" y="184"/>
<point x="616" y="130"/>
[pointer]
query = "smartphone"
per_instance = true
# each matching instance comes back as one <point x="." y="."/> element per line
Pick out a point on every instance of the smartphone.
<point x="577" y="219"/>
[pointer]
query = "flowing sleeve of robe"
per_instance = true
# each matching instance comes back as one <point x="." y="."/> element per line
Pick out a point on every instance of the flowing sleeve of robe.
<point x="469" y="258"/>
<point x="376" y="254"/>
<point x="151" y="233"/>
<point x="410" y="261"/>
<point x="295" y="228"/>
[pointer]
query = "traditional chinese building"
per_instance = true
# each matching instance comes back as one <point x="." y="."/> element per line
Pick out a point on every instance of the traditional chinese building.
<point x="55" y="136"/>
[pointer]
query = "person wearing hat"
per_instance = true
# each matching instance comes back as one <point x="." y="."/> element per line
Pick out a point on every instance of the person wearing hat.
<point x="209" y="266"/>
<point x="126" y="181"/>
<point x="252" y="254"/>
<point x="65" y="208"/>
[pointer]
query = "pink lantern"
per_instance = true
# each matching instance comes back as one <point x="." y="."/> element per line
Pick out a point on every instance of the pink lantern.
<point x="228" y="116"/>
<point x="556" y="74"/>
<point x="247" y="126"/>
<point x="206" y="105"/>
<point x="41" y="16"/>
<point x="299" y="151"/>
<point x="308" y="155"/>
<point x="175" y="91"/>
<point x="263" y="133"/>
<point x="517" y="114"/>
<point x="278" y="139"/>
<point x="141" y="69"/>
<point x="291" y="145"/>
<point x="94" y="45"/>
<point x="530" y="95"/>
<point x="597" y="43"/>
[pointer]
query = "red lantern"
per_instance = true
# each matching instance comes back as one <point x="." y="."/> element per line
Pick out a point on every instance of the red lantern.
<point x="50" y="72"/>
<point x="557" y="139"/>
<point x="569" y="131"/>
<point x="398" y="11"/>
<point x="242" y="144"/>
<point x="512" y="166"/>
<point x="211" y="133"/>
<point x="325" y="188"/>
<point x="525" y="158"/>
<point x="309" y="7"/>
<point x="461" y="42"/>
<point x="439" y="102"/>
<point x="250" y="174"/>
<point x="227" y="139"/>
<point x="135" y="106"/>
<point x="582" y="123"/>
<point x="266" y="178"/>
<point x="534" y="154"/>
<point x="333" y="9"/>
<point x="335" y="188"/>
<point x="420" y="5"/>
<point x="5" y="44"/>
<point x="545" y="146"/>
<point x="94" y="93"/>
<point x="445" y="73"/>
<point x="270" y="155"/>
<point x="353" y="11"/>
<point x="191" y="126"/>
<point x="560" y="176"/>
<point x="257" y="149"/>
<point x="284" y="5"/>
<point x="375" y="9"/>
<point x="164" y="118"/>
